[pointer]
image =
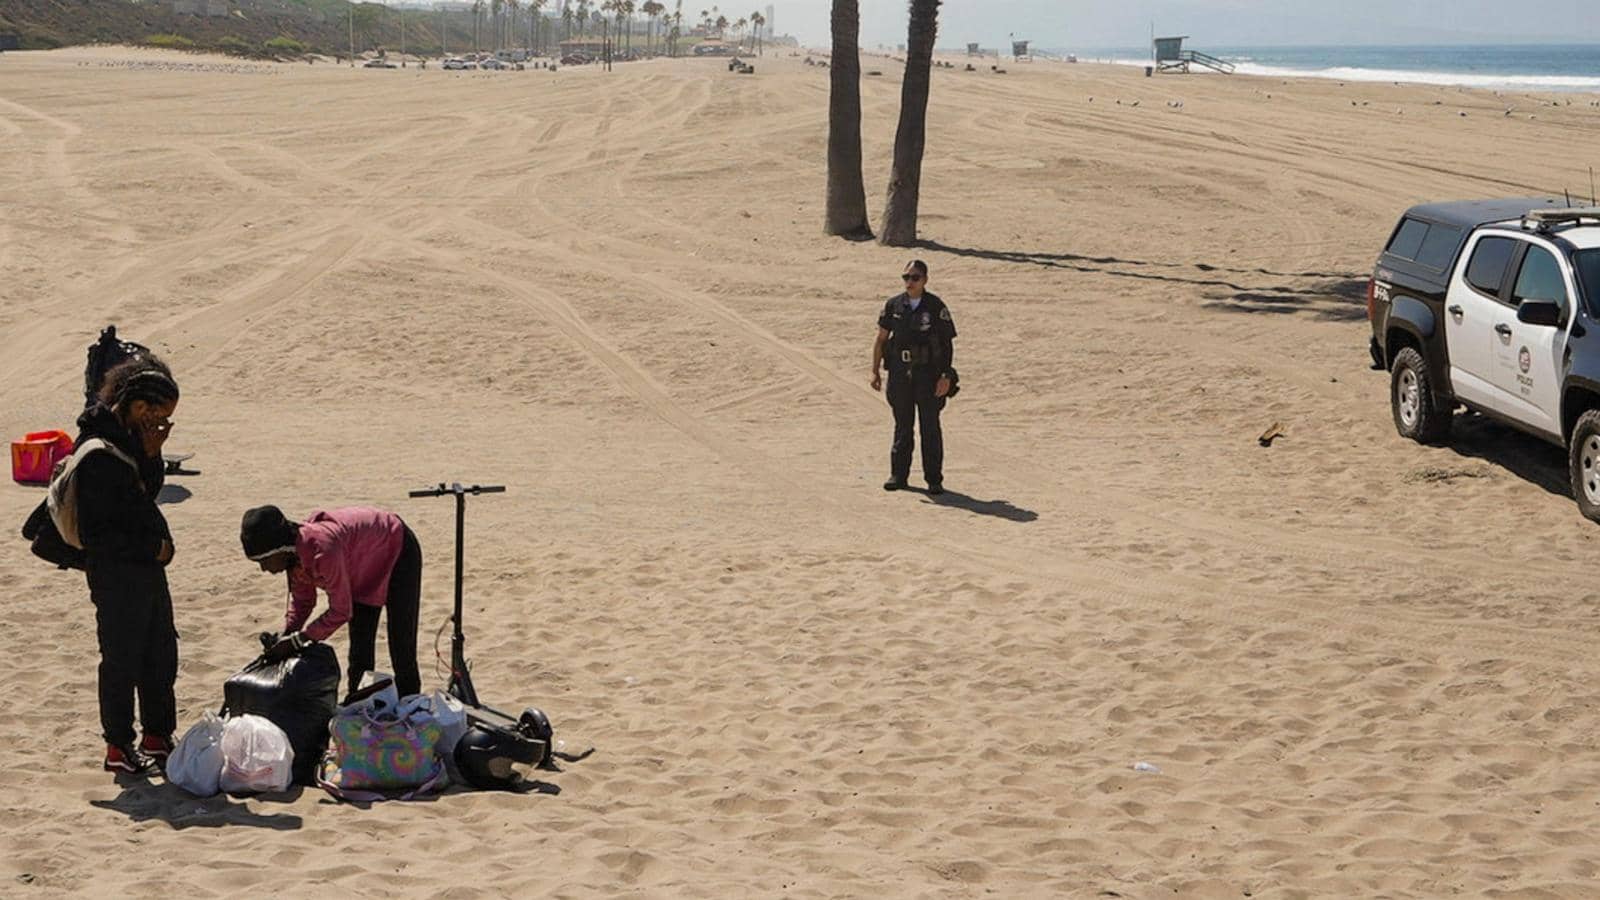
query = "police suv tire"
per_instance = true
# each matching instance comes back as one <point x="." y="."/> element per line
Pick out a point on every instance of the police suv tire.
<point x="1417" y="414"/>
<point x="1583" y="455"/>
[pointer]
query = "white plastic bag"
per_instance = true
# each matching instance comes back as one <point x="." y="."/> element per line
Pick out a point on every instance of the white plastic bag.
<point x="256" y="756"/>
<point x="452" y="717"/>
<point x="196" y="763"/>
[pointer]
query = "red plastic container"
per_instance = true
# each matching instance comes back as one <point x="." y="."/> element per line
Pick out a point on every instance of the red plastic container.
<point x="35" y="456"/>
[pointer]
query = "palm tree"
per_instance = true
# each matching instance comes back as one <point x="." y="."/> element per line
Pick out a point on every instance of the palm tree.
<point x="738" y="29"/>
<point x="566" y="23"/>
<point x="651" y="10"/>
<point x="477" y="13"/>
<point x="583" y="17"/>
<point x="722" y="27"/>
<point x="846" y="213"/>
<point x="758" y="20"/>
<point x="536" y="9"/>
<point x="899" y="226"/>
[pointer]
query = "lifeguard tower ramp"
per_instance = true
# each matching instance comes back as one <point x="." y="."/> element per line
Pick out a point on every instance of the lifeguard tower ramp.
<point x="1171" y="57"/>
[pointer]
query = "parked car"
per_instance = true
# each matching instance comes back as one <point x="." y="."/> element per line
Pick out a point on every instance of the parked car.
<point x="1494" y="306"/>
<point x="456" y="63"/>
<point x="378" y="63"/>
<point x="492" y="63"/>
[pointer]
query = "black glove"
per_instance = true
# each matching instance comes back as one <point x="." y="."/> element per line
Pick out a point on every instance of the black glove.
<point x="287" y="646"/>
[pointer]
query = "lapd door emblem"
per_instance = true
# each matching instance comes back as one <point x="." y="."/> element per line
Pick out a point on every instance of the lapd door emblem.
<point x="1525" y="360"/>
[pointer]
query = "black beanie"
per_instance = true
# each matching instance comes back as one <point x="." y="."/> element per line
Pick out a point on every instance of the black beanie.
<point x="265" y="531"/>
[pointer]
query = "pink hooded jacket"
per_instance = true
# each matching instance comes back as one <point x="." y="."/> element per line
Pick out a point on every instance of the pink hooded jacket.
<point x="348" y="553"/>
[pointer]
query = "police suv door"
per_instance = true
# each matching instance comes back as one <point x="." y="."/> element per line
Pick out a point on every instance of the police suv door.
<point x="1472" y="310"/>
<point x="1528" y="359"/>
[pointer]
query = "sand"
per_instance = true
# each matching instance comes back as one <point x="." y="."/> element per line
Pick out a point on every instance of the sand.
<point x="1363" y="667"/>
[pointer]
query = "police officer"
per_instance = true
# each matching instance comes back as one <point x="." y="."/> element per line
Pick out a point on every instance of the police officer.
<point x="917" y="331"/>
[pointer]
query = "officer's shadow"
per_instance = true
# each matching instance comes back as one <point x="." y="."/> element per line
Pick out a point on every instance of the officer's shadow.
<point x="1000" y="509"/>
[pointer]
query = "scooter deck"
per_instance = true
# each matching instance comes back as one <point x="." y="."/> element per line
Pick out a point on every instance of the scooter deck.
<point x="494" y="718"/>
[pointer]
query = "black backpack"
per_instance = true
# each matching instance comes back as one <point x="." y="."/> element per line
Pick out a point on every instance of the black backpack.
<point x="46" y="542"/>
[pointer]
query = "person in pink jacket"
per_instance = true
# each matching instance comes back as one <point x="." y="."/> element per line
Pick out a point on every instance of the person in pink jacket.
<point x="365" y="560"/>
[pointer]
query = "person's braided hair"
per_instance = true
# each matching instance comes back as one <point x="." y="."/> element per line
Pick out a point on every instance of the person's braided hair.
<point x="144" y="377"/>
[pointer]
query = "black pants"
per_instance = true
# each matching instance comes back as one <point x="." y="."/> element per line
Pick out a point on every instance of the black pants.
<point x="404" y="606"/>
<point x="910" y="394"/>
<point x="138" y="649"/>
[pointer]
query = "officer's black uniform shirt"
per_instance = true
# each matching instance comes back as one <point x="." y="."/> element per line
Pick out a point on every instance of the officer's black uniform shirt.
<point x="925" y="332"/>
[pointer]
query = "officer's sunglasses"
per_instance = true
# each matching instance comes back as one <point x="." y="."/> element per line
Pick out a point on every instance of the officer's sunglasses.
<point x="912" y="276"/>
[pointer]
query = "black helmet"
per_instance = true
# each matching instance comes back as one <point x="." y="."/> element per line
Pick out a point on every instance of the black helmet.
<point x="492" y="759"/>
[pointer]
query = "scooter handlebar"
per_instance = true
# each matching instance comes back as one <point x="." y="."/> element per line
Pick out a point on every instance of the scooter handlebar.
<point x="457" y="488"/>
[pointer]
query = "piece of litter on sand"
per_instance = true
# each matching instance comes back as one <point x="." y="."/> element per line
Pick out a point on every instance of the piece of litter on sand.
<point x="1142" y="766"/>
<point x="1273" y="432"/>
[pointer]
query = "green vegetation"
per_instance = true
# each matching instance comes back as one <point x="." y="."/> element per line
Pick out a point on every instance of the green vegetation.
<point x="234" y="45"/>
<point x="283" y="45"/>
<point x="171" y="41"/>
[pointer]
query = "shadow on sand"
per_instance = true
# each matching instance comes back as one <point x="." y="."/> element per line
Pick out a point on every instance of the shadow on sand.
<point x="143" y="801"/>
<point x="1000" y="509"/>
<point x="1337" y="296"/>
<point x="1523" y="455"/>
<point x="173" y="493"/>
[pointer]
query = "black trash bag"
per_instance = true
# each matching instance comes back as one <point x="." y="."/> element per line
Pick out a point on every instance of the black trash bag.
<point x="106" y="354"/>
<point x="299" y="695"/>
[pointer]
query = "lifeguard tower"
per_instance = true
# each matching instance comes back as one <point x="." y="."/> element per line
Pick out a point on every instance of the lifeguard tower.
<point x="1171" y="57"/>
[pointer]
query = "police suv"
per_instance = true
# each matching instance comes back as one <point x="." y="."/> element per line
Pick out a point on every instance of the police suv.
<point x="1494" y="306"/>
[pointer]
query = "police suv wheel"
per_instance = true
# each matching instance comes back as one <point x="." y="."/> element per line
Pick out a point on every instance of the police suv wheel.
<point x="1417" y="414"/>
<point x="1584" y="458"/>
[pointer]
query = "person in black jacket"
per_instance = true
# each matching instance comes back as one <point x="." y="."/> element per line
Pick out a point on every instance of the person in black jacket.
<point x="127" y="546"/>
<point x="916" y="330"/>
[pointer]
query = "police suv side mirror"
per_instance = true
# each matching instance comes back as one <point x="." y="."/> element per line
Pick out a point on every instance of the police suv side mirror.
<point x="1539" y="312"/>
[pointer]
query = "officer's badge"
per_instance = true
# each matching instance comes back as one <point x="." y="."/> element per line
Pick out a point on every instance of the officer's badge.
<point x="944" y="314"/>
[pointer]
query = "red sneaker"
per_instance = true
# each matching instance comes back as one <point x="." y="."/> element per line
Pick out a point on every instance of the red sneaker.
<point x="128" y="759"/>
<point x="158" y="748"/>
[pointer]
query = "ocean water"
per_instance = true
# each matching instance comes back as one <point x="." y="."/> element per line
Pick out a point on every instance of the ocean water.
<point x="1533" y="67"/>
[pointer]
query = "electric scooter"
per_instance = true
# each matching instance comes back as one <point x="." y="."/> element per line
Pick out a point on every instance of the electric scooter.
<point x="531" y="731"/>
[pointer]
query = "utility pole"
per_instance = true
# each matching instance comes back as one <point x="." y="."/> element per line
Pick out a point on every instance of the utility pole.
<point x="442" y="52"/>
<point x="352" y="35"/>
<point x="402" y="36"/>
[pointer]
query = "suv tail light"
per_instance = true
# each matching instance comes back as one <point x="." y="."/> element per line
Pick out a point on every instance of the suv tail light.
<point x="1372" y="297"/>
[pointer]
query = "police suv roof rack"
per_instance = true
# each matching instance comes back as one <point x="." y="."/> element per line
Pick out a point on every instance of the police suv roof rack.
<point x="1543" y="220"/>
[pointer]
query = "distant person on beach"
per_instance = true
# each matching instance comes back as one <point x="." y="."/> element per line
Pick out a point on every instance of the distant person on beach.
<point x="127" y="546"/>
<point x="916" y="343"/>
<point x="366" y="560"/>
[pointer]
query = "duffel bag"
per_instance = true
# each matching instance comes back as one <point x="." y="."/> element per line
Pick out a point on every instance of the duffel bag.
<point x="382" y="757"/>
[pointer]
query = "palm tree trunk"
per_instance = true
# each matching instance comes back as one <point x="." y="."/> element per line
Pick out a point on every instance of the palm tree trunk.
<point x="847" y="196"/>
<point x="899" y="226"/>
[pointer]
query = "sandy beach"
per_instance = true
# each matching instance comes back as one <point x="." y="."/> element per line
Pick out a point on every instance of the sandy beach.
<point x="1363" y="668"/>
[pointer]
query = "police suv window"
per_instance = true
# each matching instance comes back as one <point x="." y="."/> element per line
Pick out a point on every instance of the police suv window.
<point x="1487" y="269"/>
<point x="1587" y="263"/>
<point x="1540" y="278"/>
<point x="1439" y="247"/>
<point x="1408" y="239"/>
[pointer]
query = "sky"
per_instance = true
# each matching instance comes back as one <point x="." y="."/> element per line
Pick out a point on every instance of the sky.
<point x="1090" y="24"/>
